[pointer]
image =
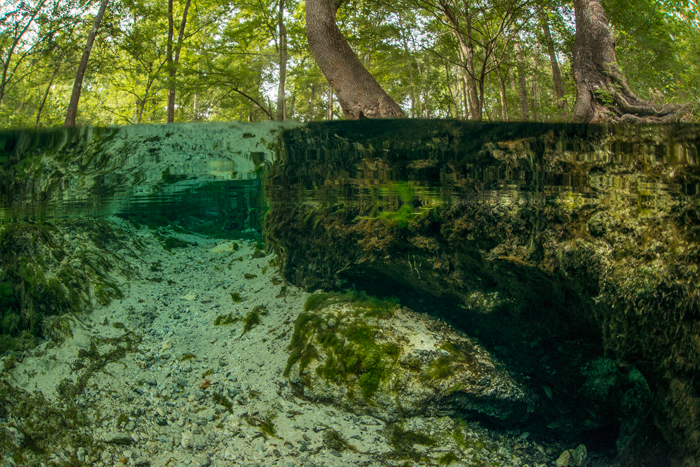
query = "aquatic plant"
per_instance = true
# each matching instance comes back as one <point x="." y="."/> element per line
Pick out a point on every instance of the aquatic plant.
<point x="223" y="401"/>
<point x="350" y="349"/>
<point x="223" y="320"/>
<point x="253" y="317"/>
<point x="47" y="272"/>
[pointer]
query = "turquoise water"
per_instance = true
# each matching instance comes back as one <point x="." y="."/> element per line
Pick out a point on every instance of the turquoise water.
<point x="523" y="238"/>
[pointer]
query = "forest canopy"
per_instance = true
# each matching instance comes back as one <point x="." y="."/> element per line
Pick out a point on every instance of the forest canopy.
<point x="212" y="60"/>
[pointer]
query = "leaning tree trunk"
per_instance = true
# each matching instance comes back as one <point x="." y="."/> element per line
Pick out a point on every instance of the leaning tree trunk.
<point x="72" y="112"/>
<point x="357" y="91"/>
<point x="602" y="90"/>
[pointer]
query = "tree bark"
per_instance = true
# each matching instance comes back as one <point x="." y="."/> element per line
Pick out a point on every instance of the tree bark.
<point x="281" y="98"/>
<point x="173" y="62"/>
<point x="329" y="104"/>
<point x="504" y="102"/>
<point x="603" y="93"/>
<point x="72" y="112"/>
<point x="454" y="101"/>
<point x="357" y="91"/>
<point x="556" y="72"/>
<point x="535" y="88"/>
<point x="524" y="111"/>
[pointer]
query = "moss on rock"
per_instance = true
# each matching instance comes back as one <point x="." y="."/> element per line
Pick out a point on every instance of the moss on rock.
<point x="375" y="357"/>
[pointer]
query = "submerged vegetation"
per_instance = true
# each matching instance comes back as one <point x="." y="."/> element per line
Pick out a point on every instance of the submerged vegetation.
<point x="50" y="271"/>
<point x="348" y="341"/>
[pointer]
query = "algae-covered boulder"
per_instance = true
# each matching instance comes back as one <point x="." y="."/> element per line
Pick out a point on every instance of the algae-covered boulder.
<point x="375" y="357"/>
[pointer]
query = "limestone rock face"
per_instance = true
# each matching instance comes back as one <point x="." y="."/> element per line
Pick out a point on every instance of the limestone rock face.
<point x="395" y="362"/>
<point x="554" y="244"/>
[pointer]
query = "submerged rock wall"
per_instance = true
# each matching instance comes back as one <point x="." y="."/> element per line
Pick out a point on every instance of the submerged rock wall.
<point x="570" y="251"/>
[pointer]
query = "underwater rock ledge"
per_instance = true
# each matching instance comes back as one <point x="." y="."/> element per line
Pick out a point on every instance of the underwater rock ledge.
<point x="374" y="357"/>
<point x="541" y="235"/>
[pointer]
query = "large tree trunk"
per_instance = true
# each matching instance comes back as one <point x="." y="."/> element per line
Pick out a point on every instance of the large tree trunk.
<point x="281" y="98"/>
<point x="357" y="91"/>
<point x="173" y="62"/>
<point x="602" y="90"/>
<point x="556" y="72"/>
<point x="72" y="112"/>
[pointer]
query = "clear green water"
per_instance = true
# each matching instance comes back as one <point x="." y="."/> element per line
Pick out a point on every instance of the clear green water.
<point x="539" y="189"/>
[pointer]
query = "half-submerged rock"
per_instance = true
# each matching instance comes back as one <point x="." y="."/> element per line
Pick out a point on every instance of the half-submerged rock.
<point x="375" y="357"/>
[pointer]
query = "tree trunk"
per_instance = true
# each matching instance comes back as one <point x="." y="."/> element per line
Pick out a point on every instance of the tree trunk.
<point x="46" y="95"/>
<point x="173" y="62"/>
<point x="535" y="89"/>
<point x="524" y="111"/>
<point x="281" y="98"/>
<point x="72" y="112"/>
<point x="556" y="72"/>
<point x="504" y="102"/>
<point x="409" y="66"/>
<point x="195" y="117"/>
<point x="329" y="105"/>
<point x="143" y="102"/>
<point x="453" y="99"/>
<point x="602" y="92"/>
<point x="169" y="57"/>
<point x="357" y="91"/>
<point x="466" y="53"/>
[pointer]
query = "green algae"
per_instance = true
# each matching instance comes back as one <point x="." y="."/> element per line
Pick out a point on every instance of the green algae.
<point x="223" y="320"/>
<point x="264" y="423"/>
<point x="351" y="349"/>
<point x="333" y="439"/>
<point x="169" y="242"/>
<point x="402" y="442"/>
<point x="223" y="401"/>
<point x="448" y="458"/>
<point x="48" y="428"/>
<point x="253" y="317"/>
<point x="56" y="269"/>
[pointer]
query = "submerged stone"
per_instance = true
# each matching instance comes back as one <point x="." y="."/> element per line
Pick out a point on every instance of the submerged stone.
<point x="390" y="362"/>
